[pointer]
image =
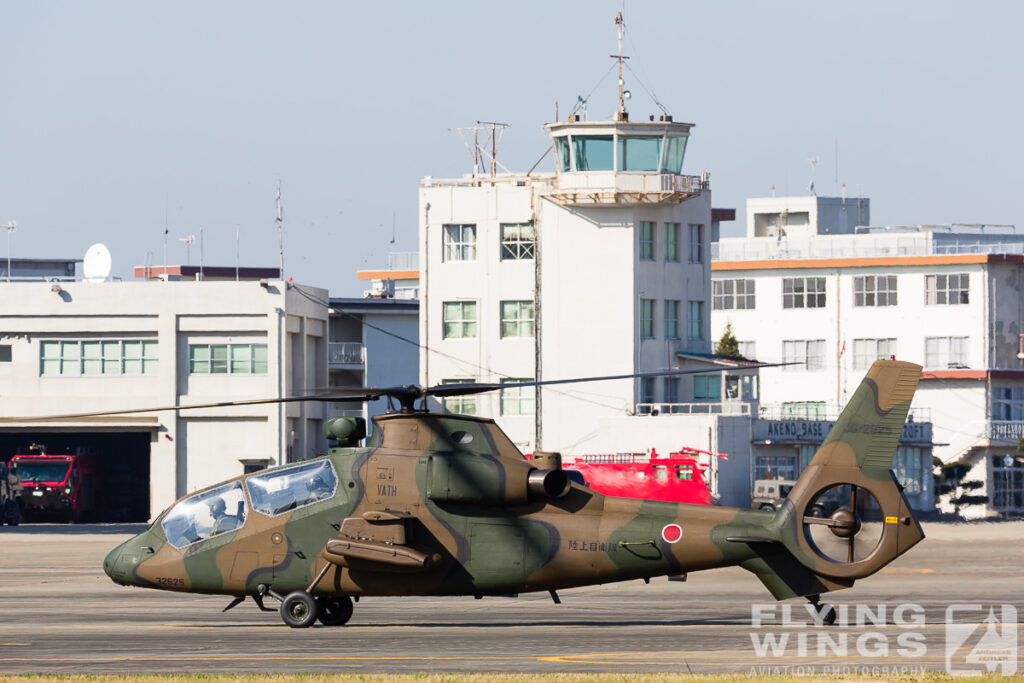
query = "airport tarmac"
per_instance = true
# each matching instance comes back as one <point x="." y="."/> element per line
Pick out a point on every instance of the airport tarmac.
<point x="61" y="614"/>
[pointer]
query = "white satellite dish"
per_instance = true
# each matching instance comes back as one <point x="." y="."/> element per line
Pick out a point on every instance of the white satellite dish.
<point x="96" y="266"/>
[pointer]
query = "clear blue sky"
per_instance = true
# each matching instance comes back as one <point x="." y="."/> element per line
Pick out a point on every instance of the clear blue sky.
<point x="111" y="110"/>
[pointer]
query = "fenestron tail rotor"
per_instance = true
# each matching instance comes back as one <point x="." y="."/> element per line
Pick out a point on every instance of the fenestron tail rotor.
<point x="842" y="523"/>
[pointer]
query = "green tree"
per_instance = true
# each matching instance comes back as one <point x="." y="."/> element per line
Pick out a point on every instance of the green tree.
<point x="728" y="345"/>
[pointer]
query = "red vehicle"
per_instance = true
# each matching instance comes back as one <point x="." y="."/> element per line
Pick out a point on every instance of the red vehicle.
<point x="55" y="486"/>
<point x="678" y="478"/>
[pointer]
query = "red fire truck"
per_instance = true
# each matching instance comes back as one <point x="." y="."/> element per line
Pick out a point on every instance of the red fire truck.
<point x="55" y="486"/>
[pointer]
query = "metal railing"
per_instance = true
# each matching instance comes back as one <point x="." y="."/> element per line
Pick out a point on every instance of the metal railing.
<point x="730" y="408"/>
<point x="345" y="353"/>
<point x="404" y="260"/>
<point x="1004" y="430"/>
<point x="766" y="249"/>
<point x="829" y="412"/>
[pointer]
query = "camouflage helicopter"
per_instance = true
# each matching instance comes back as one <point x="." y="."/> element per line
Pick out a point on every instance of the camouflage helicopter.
<point x="445" y="504"/>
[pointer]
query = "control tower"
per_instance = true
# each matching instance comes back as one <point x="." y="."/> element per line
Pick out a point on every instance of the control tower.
<point x="599" y="268"/>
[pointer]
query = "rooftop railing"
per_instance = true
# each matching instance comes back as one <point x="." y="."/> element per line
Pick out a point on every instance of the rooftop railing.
<point x="825" y="412"/>
<point x="823" y="247"/>
<point x="728" y="408"/>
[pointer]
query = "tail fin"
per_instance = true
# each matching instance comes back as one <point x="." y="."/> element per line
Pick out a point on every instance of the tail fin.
<point x="857" y="454"/>
<point x="831" y="538"/>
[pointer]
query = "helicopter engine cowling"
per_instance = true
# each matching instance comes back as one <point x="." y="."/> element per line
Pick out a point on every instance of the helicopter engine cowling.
<point x="473" y="479"/>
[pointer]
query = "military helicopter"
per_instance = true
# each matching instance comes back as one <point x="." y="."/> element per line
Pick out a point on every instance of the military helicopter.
<point x="445" y="504"/>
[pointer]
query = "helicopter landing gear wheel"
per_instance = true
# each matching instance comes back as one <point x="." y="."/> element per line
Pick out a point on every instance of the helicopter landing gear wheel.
<point x="298" y="609"/>
<point x="334" y="611"/>
<point x="826" y="612"/>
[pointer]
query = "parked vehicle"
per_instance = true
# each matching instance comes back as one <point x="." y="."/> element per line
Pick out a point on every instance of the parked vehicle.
<point x="56" y="486"/>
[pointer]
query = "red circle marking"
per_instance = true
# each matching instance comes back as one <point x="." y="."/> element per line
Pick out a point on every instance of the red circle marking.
<point x="672" y="533"/>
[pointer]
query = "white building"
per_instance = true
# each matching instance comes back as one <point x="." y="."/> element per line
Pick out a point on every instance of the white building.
<point x="70" y="347"/>
<point x="601" y="268"/>
<point x="833" y="299"/>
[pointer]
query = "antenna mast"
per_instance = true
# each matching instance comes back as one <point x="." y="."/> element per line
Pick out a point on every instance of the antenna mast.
<point x="11" y="227"/>
<point x="280" y="227"/>
<point x="623" y="93"/>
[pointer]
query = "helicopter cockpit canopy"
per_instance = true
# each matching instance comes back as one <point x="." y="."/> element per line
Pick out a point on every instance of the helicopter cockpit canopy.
<point x="279" y="490"/>
<point x="205" y="514"/>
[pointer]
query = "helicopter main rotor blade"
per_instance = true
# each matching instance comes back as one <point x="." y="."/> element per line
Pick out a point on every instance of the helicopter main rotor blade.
<point x="480" y="388"/>
<point x="356" y="394"/>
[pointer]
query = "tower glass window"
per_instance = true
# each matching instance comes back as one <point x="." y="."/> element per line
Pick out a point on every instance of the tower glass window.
<point x="594" y="153"/>
<point x="639" y="153"/>
<point x="675" y="148"/>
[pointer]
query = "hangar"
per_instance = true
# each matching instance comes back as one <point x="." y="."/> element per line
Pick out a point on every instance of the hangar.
<point x="174" y="337"/>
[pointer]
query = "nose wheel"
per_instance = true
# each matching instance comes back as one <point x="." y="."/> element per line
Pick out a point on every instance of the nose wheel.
<point x="299" y="609"/>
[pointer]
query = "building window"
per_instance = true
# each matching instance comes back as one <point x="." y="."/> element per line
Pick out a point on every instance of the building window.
<point x="518" y="241"/>
<point x="1008" y="404"/>
<point x="694" y="319"/>
<point x="804" y="410"/>
<point x="945" y="352"/>
<point x="807" y="354"/>
<point x="646" y="240"/>
<point x="696" y="243"/>
<point x="730" y="294"/>
<point x="670" y="389"/>
<point x="647" y="318"/>
<point x="671" y="319"/>
<point x="460" y="243"/>
<point x="672" y="242"/>
<point x="874" y="290"/>
<point x="909" y="469"/>
<point x="517" y="400"/>
<point x="647" y="389"/>
<point x="707" y="388"/>
<point x="459" y="319"/>
<point x="803" y="292"/>
<point x="100" y="357"/>
<point x="227" y="359"/>
<point x="950" y="289"/>
<point x="5" y="353"/>
<point x="1007" y="482"/>
<point x="867" y="351"/>
<point x="775" y="466"/>
<point x="465" y="405"/>
<point x="748" y="349"/>
<point x="516" y="318"/>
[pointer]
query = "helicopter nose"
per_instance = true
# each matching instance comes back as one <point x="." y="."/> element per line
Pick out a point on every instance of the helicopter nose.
<point x="118" y="565"/>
